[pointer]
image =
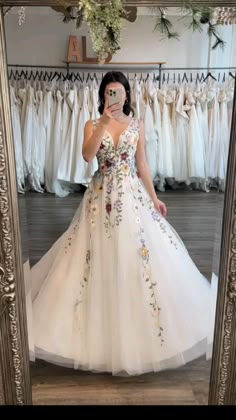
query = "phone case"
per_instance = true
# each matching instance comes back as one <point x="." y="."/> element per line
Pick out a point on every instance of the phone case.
<point x="115" y="96"/>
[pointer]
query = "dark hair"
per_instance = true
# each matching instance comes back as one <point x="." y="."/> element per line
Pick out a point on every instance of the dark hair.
<point x="111" y="77"/>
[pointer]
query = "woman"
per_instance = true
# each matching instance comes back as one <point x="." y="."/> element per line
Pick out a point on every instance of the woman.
<point x="120" y="292"/>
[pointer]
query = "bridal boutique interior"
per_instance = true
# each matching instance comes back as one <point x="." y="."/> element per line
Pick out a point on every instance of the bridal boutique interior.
<point x="184" y="96"/>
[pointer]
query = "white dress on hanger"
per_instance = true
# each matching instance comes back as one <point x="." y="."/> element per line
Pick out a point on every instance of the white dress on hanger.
<point x="22" y="95"/>
<point x="158" y="128"/>
<point x="66" y="161"/>
<point x="56" y="147"/>
<point x="41" y="135"/>
<point x="17" y="141"/>
<point x="31" y="141"/>
<point x="196" y="147"/>
<point x="151" y="135"/>
<point x="223" y="138"/>
<point x="49" y="112"/>
<point x="203" y="99"/>
<point x="214" y="130"/>
<point x="72" y="167"/>
<point x="167" y="169"/>
<point x="138" y="101"/>
<point x="118" y="291"/>
<point x="181" y="141"/>
<point x="94" y="101"/>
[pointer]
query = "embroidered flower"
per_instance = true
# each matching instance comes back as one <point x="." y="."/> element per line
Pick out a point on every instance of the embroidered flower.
<point x="117" y="205"/>
<point x="108" y="163"/>
<point x="95" y="209"/>
<point x="155" y="215"/>
<point x="88" y="256"/>
<point x="144" y="252"/>
<point x="92" y="223"/>
<point x="99" y="188"/>
<point x="125" y="168"/>
<point x="138" y="220"/>
<point x="124" y="156"/>
<point x="108" y="208"/>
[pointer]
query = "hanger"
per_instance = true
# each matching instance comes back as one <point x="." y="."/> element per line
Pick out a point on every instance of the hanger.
<point x="209" y="75"/>
<point x="191" y="77"/>
<point x="185" y="78"/>
<point x="12" y="75"/>
<point x="174" y="78"/>
<point x="88" y="78"/>
<point x="147" y="77"/>
<point x="78" y="77"/>
<point x="168" y="78"/>
<point x="95" y="77"/>
<point x="231" y="74"/>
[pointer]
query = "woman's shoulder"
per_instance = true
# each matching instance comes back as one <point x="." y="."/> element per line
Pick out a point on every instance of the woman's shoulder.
<point x="92" y="123"/>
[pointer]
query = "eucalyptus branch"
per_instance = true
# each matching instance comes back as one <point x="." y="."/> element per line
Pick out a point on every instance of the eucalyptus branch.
<point x="164" y="25"/>
<point x="198" y="16"/>
<point x="213" y="30"/>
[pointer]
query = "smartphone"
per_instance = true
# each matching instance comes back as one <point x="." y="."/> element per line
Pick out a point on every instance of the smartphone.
<point x="114" y="96"/>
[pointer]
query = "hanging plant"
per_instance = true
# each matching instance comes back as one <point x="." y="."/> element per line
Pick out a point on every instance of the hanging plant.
<point x="196" y="16"/>
<point x="104" y="20"/>
<point x="105" y="23"/>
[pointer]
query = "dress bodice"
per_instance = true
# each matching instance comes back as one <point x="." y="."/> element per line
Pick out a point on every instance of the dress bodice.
<point x="121" y="157"/>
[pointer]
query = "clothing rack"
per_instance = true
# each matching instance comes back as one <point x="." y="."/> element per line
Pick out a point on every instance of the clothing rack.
<point x="163" y="70"/>
<point x="131" y="67"/>
<point x="151" y="67"/>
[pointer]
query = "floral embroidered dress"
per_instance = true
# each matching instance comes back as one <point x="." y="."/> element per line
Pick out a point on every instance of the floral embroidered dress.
<point x="118" y="291"/>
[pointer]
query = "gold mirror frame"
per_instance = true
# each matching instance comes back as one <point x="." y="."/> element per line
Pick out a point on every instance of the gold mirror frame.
<point x="15" y="383"/>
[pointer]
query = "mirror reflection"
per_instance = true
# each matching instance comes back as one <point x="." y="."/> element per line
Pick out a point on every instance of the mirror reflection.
<point x="121" y="172"/>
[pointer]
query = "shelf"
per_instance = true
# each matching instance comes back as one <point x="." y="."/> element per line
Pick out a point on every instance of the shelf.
<point x="148" y="65"/>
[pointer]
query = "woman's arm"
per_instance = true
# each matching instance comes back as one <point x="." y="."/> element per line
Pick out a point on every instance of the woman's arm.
<point x="144" y="171"/>
<point x="93" y="138"/>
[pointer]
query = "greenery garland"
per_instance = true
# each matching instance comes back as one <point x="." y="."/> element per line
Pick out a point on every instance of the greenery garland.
<point x="105" y="18"/>
<point x="105" y="23"/>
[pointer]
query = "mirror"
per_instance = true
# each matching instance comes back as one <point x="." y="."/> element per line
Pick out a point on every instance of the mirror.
<point x="120" y="297"/>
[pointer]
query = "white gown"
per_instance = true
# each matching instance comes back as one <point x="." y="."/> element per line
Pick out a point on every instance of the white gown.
<point x="17" y="141"/>
<point x="151" y="134"/>
<point x="118" y="291"/>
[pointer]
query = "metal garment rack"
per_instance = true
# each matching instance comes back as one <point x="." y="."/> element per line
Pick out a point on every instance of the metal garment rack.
<point x="208" y="69"/>
<point x="146" y="67"/>
<point x="132" y="67"/>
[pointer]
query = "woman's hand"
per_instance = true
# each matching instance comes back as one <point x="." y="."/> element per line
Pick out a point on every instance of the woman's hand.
<point x="110" y="112"/>
<point x="161" y="207"/>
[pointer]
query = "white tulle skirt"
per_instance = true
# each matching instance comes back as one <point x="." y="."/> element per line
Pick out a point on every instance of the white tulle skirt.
<point x="118" y="291"/>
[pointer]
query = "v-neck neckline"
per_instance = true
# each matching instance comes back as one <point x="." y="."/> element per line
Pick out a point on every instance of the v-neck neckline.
<point x="116" y="146"/>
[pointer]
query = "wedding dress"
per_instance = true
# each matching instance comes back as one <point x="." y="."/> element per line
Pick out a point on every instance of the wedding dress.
<point x="118" y="291"/>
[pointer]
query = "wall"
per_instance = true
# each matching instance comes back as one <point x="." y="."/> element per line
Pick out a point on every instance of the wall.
<point x="43" y="39"/>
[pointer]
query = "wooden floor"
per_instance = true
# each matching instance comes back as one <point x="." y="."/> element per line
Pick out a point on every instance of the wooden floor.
<point x="197" y="217"/>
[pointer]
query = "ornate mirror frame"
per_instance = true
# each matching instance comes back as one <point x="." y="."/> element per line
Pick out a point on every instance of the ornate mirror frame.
<point x="15" y="386"/>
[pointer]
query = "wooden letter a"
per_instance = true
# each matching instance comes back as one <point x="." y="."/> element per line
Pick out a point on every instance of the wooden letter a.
<point x="74" y="50"/>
